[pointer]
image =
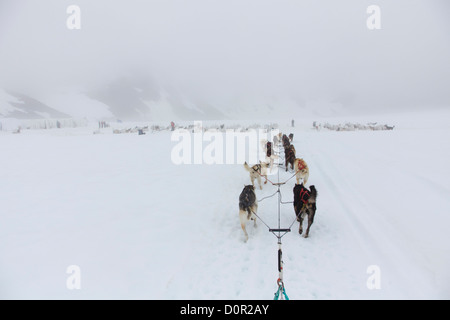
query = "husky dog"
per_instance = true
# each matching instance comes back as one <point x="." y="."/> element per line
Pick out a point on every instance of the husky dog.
<point x="279" y="135"/>
<point x="291" y="137"/>
<point x="305" y="204"/>
<point x="268" y="149"/>
<point x="285" y="141"/>
<point x="264" y="145"/>
<point x="270" y="155"/>
<point x="301" y="170"/>
<point x="289" y="156"/>
<point x="275" y="140"/>
<point x="247" y="207"/>
<point x="256" y="172"/>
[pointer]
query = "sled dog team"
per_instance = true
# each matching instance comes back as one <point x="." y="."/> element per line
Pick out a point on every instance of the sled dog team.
<point x="304" y="198"/>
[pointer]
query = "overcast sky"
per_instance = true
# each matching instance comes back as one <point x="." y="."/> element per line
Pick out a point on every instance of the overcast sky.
<point x="219" y="49"/>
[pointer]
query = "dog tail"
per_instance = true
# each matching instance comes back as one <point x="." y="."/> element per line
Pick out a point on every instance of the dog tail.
<point x="313" y="194"/>
<point x="247" y="167"/>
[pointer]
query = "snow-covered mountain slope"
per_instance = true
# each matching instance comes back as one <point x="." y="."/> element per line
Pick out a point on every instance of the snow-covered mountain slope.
<point x="139" y="226"/>
<point x="78" y="105"/>
<point x="124" y="99"/>
<point x="140" y="99"/>
<point x="20" y="106"/>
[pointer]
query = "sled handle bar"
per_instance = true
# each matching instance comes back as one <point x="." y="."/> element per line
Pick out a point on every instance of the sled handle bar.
<point x="279" y="230"/>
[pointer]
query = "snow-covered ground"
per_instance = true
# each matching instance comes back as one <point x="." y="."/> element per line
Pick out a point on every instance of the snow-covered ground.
<point x="140" y="227"/>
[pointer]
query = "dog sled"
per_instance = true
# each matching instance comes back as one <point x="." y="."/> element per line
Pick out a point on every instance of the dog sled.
<point x="304" y="202"/>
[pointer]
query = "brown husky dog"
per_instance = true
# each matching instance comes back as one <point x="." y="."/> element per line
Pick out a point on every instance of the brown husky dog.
<point x="285" y="141"/>
<point x="301" y="170"/>
<point x="289" y="156"/>
<point x="291" y="137"/>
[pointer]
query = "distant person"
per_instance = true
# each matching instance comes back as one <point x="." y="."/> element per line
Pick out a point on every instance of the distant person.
<point x="292" y="123"/>
<point x="172" y="126"/>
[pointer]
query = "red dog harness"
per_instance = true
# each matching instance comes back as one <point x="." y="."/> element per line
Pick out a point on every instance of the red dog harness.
<point x="301" y="165"/>
<point x="304" y="195"/>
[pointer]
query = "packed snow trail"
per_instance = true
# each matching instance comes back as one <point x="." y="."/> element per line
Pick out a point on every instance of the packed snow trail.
<point x="141" y="227"/>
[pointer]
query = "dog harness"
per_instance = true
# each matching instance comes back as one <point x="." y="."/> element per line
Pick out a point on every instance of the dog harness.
<point x="257" y="168"/>
<point x="301" y="165"/>
<point x="304" y="195"/>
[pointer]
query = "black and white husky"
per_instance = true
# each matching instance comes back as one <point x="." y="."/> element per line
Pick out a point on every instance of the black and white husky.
<point x="247" y="207"/>
<point x="305" y="205"/>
